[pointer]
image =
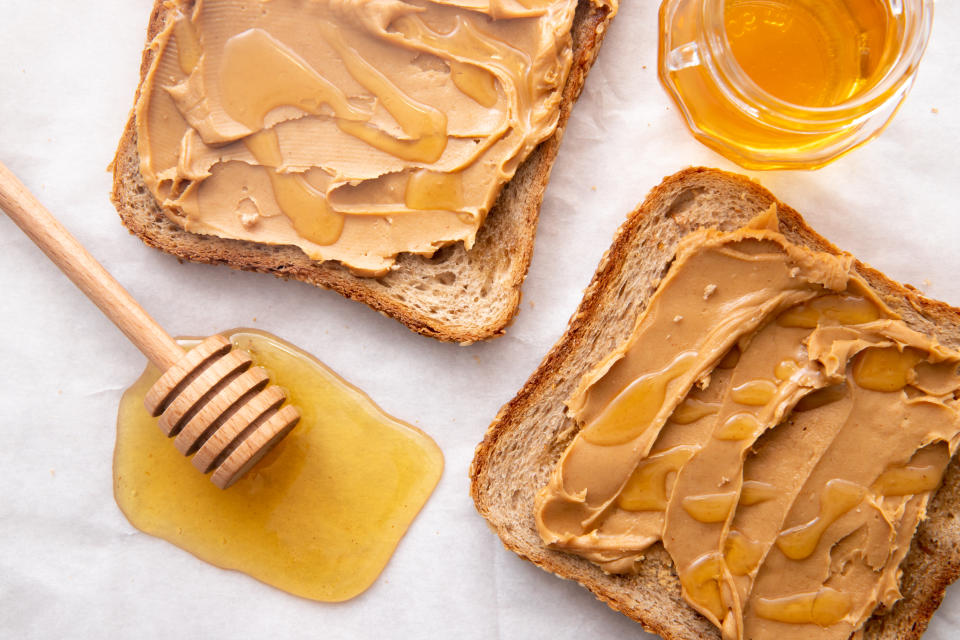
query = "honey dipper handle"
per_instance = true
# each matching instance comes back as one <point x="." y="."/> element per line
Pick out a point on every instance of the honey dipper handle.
<point x="85" y="272"/>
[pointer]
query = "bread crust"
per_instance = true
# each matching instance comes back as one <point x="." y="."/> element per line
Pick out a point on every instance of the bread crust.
<point x="457" y="295"/>
<point x="531" y="431"/>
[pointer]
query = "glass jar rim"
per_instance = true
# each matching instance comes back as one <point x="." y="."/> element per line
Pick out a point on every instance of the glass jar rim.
<point x="918" y="19"/>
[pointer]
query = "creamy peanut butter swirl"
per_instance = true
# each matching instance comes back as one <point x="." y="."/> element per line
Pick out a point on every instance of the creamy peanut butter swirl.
<point x="353" y="129"/>
<point x="774" y="425"/>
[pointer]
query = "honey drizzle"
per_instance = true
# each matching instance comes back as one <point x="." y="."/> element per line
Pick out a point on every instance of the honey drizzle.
<point x="739" y="426"/>
<point x="691" y="410"/>
<point x="885" y="368"/>
<point x="309" y="210"/>
<point x="755" y="393"/>
<point x="466" y="42"/>
<point x="838" y="497"/>
<point x="824" y="607"/>
<point x="646" y="490"/>
<point x="719" y="464"/>
<point x="923" y="473"/>
<point x="851" y="565"/>
<point x="710" y="508"/>
<point x="425" y="125"/>
<point x="434" y="190"/>
<point x="701" y="583"/>
<point x="475" y="82"/>
<point x="633" y="411"/>
<point x="705" y="579"/>
<point x="839" y="308"/>
<point x="786" y="369"/>
<point x="260" y="74"/>
<point x="741" y="554"/>
<point x="754" y="492"/>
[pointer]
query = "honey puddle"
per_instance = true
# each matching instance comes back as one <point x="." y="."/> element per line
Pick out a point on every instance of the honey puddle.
<point x="318" y="517"/>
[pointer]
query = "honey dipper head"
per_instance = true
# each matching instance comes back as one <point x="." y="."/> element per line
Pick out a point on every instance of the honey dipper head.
<point x="221" y="410"/>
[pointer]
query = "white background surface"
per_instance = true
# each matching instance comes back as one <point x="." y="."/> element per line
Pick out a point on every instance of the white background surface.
<point x="71" y="565"/>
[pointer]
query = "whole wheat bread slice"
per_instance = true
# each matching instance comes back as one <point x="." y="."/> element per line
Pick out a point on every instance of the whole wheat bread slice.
<point x="530" y="433"/>
<point x="457" y="295"/>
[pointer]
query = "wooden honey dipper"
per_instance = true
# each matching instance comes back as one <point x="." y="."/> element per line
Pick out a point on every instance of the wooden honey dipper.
<point x="210" y="400"/>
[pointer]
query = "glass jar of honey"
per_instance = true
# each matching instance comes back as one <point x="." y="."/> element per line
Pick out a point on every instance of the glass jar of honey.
<point x="790" y="84"/>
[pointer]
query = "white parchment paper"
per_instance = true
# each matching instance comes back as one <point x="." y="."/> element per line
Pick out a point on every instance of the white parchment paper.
<point x="70" y="564"/>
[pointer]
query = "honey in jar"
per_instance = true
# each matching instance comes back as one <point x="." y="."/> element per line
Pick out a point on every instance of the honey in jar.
<point x="790" y="83"/>
<point x="815" y="53"/>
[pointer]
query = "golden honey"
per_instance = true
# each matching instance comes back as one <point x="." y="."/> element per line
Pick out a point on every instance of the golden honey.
<point x="739" y="426"/>
<point x="637" y="406"/>
<point x="790" y="83"/>
<point x="691" y="410"/>
<point x="710" y="508"/>
<point x="839" y="496"/>
<point x="755" y="393"/>
<point x="318" y="517"/>
<point x="701" y="583"/>
<point x="885" y="368"/>
<point x="815" y="53"/>
<point x="923" y="473"/>
<point x="754" y="492"/>
<point x="826" y="607"/>
<point x="741" y="554"/>
<point x="646" y="490"/>
<point x="836" y="308"/>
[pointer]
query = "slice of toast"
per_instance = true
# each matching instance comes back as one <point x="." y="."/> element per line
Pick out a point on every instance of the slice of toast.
<point x="531" y="432"/>
<point x="456" y="295"/>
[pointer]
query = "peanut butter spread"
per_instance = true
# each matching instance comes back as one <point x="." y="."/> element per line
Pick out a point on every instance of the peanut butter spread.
<point x="353" y="129"/>
<point x="774" y="424"/>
